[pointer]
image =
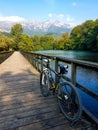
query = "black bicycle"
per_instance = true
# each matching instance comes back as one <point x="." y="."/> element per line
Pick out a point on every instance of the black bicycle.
<point x="68" y="98"/>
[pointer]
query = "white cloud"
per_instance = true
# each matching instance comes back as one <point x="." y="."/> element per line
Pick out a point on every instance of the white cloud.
<point x="56" y="16"/>
<point x="11" y="18"/>
<point x="74" y="4"/>
<point x="69" y="18"/>
<point x="60" y="16"/>
<point x="50" y="15"/>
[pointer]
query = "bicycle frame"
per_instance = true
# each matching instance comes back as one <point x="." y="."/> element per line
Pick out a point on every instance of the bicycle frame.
<point x="53" y="84"/>
<point x="68" y="98"/>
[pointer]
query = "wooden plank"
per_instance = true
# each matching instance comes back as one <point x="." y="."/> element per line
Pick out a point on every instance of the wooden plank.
<point x="45" y="124"/>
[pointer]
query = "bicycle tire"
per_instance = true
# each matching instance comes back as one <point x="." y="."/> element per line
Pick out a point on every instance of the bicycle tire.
<point x="70" y="106"/>
<point x="44" y="83"/>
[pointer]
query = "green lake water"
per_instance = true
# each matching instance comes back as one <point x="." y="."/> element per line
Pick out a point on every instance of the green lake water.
<point x="81" y="55"/>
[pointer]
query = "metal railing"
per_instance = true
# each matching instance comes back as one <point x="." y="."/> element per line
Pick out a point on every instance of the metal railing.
<point x="4" y="56"/>
<point x="37" y="61"/>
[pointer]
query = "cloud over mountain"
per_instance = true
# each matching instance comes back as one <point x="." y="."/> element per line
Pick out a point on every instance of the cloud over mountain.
<point x="11" y="18"/>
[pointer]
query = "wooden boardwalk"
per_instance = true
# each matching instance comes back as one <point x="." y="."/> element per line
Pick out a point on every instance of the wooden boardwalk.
<point x="21" y="105"/>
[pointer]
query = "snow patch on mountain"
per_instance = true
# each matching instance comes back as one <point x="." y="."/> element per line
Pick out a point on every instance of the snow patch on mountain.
<point x="35" y="27"/>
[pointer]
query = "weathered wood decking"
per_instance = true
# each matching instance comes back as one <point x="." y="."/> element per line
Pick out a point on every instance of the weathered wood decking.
<point x="21" y="105"/>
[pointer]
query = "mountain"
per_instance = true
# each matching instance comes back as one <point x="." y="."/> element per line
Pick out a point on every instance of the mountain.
<point x="38" y="28"/>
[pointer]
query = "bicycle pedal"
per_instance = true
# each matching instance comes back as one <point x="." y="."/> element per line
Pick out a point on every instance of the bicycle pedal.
<point x="53" y="93"/>
<point x="59" y="97"/>
<point x="69" y="113"/>
<point x="66" y="97"/>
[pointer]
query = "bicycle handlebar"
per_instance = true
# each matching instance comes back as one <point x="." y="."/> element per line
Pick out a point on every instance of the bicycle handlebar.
<point x="63" y="68"/>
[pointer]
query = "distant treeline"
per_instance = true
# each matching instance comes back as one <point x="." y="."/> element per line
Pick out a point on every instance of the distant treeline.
<point x="82" y="37"/>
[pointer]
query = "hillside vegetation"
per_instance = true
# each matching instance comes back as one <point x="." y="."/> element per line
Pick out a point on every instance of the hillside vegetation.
<point x="82" y="37"/>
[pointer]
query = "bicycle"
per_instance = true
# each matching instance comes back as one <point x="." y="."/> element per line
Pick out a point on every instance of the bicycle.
<point x="68" y="98"/>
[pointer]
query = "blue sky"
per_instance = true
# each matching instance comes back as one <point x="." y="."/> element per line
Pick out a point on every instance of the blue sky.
<point x="68" y="11"/>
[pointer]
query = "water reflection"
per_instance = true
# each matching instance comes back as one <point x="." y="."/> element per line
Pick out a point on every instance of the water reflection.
<point x="89" y="103"/>
<point x="88" y="78"/>
<point x="81" y="55"/>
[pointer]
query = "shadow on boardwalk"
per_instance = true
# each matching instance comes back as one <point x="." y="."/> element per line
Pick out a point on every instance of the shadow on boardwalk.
<point x="21" y="105"/>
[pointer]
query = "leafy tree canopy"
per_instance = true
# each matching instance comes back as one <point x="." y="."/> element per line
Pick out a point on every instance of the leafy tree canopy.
<point x="16" y="30"/>
<point x="82" y="37"/>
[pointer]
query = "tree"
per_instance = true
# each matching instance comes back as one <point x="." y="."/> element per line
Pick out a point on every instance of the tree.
<point x="5" y="43"/>
<point x="25" y="43"/>
<point x="47" y="42"/>
<point x="75" y="35"/>
<point x="84" y="36"/>
<point x="16" y="32"/>
<point x="36" y="43"/>
<point x="61" y="44"/>
<point x="67" y="41"/>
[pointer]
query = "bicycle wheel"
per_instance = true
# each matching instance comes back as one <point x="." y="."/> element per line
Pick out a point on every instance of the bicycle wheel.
<point x="69" y="101"/>
<point x="44" y="83"/>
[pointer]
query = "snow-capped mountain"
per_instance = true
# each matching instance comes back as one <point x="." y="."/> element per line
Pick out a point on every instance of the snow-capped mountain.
<point x="36" y="27"/>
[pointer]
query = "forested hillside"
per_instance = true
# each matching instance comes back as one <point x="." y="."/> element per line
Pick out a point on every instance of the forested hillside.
<point x="82" y="37"/>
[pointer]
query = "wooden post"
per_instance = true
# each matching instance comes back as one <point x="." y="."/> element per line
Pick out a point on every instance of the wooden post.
<point x="41" y="63"/>
<point x="73" y="73"/>
<point x="56" y="69"/>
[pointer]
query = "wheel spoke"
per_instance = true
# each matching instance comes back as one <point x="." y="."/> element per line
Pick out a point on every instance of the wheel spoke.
<point x="44" y="84"/>
<point x="70" y="102"/>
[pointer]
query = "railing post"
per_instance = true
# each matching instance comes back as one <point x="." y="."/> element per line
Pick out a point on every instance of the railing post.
<point x="35" y="61"/>
<point x="56" y="69"/>
<point x="41" y="63"/>
<point x="30" y="57"/>
<point x="38" y="63"/>
<point x="73" y="73"/>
